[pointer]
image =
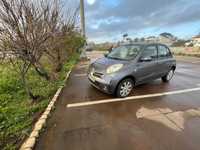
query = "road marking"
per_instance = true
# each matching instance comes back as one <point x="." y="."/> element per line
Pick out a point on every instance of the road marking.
<point x="131" y="98"/>
<point x="80" y="75"/>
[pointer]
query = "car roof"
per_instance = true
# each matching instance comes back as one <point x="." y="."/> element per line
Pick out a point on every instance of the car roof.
<point x="142" y="43"/>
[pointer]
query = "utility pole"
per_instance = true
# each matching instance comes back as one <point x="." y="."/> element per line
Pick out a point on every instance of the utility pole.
<point x="82" y="15"/>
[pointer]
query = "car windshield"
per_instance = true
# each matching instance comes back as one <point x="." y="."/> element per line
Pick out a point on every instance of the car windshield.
<point x="124" y="52"/>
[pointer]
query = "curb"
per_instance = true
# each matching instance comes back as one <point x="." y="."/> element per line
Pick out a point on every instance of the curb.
<point x="31" y="140"/>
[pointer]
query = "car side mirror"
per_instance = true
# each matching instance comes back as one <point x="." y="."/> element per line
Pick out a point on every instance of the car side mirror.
<point x="146" y="59"/>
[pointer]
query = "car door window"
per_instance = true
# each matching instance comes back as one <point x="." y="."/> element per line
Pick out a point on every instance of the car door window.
<point x="150" y="51"/>
<point x="163" y="51"/>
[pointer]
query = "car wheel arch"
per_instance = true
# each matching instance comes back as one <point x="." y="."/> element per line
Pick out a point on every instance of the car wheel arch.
<point x="126" y="77"/>
<point x="173" y="68"/>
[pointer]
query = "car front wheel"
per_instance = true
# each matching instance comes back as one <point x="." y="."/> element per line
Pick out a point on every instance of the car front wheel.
<point x="124" y="88"/>
<point x="168" y="76"/>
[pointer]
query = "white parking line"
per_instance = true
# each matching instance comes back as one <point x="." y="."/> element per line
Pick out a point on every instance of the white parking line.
<point x="132" y="98"/>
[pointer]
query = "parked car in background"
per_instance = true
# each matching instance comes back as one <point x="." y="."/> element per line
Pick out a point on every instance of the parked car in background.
<point x="130" y="65"/>
<point x="89" y="48"/>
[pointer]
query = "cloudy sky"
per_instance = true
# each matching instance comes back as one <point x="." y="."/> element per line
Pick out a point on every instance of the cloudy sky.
<point x="108" y="20"/>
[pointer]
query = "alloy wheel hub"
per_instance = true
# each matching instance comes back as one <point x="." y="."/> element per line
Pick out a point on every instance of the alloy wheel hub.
<point x="125" y="89"/>
<point x="170" y="75"/>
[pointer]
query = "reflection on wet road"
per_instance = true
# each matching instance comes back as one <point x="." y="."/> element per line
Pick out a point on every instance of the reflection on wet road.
<point x="167" y="122"/>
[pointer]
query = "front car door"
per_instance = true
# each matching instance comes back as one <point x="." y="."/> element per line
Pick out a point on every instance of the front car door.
<point x="146" y="69"/>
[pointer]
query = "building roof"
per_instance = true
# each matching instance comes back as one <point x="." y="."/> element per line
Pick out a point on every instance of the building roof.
<point x="198" y="36"/>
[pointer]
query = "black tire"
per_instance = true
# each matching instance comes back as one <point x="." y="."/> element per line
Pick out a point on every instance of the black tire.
<point x="121" y="93"/>
<point x="168" y="76"/>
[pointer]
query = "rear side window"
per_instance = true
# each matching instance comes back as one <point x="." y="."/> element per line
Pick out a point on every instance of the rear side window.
<point x="163" y="51"/>
<point x="150" y="51"/>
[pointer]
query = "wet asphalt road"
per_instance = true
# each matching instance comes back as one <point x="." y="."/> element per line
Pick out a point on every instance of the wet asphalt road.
<point x="159" y="123"/>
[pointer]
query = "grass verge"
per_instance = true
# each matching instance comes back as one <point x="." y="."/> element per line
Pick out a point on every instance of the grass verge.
<point x="17" y="113"/>
<point x="187" y="54"/>
<point x="186" y="51"/>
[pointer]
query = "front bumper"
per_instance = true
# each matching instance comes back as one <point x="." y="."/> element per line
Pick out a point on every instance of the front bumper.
<point x="102" y="84"/>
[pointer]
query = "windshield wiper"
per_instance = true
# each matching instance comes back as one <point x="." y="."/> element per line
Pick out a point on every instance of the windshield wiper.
<point x="116" y="58"/>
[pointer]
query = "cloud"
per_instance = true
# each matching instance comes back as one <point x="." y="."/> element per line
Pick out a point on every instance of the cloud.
<point x="110" y="18"/>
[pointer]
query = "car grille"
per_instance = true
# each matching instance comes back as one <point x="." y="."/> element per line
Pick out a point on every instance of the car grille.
<point x="97" y="74"/>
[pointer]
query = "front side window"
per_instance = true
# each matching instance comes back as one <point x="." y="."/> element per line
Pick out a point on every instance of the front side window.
<point x="125" y="52"/>
<point x="150" y="51"/>
<point x="163" y="51"/>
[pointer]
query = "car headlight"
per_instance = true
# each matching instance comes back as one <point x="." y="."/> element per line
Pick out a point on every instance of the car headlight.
<point x="114" y="68"/>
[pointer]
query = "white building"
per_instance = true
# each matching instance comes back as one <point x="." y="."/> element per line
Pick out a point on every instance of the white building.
<point x="196" y="41"/>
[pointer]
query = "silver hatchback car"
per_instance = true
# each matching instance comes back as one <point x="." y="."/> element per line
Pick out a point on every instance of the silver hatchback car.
<point x="130" y="65"/>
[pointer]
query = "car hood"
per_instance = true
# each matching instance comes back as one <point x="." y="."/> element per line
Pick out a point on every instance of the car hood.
<point x="102" y="64"/>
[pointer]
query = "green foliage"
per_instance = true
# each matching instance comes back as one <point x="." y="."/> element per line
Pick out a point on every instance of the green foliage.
<point x="17" y="113"/>
<point x="73" y="42"/>
<point x="100" y="48"/>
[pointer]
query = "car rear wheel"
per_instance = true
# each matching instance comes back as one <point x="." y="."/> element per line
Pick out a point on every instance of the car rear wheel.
<point x="168" y="76"/>
<point x="124" y="88"/>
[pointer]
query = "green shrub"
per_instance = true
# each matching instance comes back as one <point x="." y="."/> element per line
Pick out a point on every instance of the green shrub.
<point x="17" y="113"/>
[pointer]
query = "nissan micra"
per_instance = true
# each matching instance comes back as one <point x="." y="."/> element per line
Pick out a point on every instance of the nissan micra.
<point x="130" y="65"/>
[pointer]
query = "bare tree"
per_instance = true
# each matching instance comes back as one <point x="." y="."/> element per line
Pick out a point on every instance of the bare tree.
<point x="32" y="29"/>
<point x="58" y="46"/>
<point x="24" y="31"/>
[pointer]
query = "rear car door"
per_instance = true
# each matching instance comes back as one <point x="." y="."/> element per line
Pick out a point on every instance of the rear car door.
<point x="146" y="69"/>
<point x="164" y="60"/>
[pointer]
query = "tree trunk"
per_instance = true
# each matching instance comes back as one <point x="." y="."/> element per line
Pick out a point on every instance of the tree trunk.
<point x="59" y="64"/>
<point x="41" y="71"/>
<point x="27" y="88"/>
<point x="58" y="67"/>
